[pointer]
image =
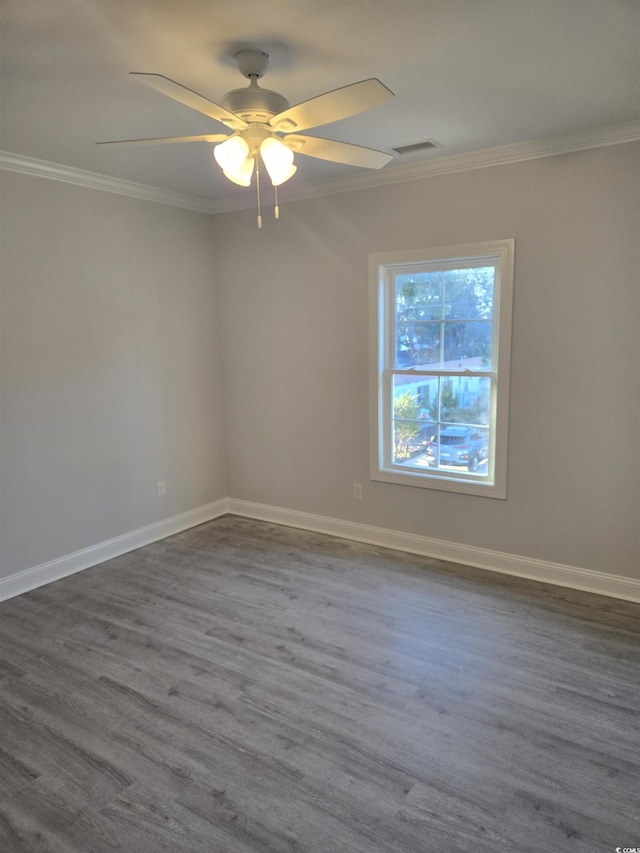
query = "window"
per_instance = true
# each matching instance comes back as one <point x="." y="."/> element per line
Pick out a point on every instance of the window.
<point x="440" y="340"/>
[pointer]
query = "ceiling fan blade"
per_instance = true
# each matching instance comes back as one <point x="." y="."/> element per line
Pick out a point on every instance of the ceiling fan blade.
<point x="337" y="152"/>
<point x="332" y="106"/>
<point x="191" y="99"/>
<point x="207" y="137"/>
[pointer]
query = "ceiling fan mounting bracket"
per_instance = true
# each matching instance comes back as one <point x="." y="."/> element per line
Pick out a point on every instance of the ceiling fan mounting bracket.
<point x="252" y="63"/>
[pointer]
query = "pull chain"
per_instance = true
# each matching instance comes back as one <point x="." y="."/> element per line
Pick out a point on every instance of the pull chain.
<point x="258" y="190"/>
<point x="277" y="209"/>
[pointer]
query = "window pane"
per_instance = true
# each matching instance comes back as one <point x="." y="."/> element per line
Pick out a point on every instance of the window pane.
<point x="430" y="412"/>
<point x="468" y="294"/>
<point x="417" y="344"/>
<point x="467" y="345"/>
<point x="459" y="448"/>
<point x="441" y="422"/>
<point x="414" y="398"/>
<point x="418" y="296"/>
<point x="465" y="400"/>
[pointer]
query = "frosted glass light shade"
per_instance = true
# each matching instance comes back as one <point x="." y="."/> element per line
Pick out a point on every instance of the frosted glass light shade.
<point x="241" y="176"/>
<point x="285" y="175"/>
<point x="278" y="160"/>
<point x="231" y="154"/>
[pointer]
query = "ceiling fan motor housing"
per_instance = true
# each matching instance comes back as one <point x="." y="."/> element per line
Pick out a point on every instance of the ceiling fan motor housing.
<point x="254" y="104"/>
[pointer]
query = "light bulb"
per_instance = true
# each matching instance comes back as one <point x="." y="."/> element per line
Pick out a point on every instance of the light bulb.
<point x="241" y="176"/>
<point x="231" y="154"/>
<point x="278" y="160"/>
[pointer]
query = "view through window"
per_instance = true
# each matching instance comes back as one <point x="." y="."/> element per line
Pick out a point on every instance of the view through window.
<point x="441" y="332"/>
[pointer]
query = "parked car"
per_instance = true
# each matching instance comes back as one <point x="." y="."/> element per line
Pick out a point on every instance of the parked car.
<point x="465" y="446"/>
<point x="419" y="442"/>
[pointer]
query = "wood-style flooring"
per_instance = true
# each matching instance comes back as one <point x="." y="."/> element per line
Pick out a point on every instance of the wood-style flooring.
<point x="248" y="688"/>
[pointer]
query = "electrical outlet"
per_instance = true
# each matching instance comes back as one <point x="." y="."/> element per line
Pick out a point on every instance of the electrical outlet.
<point x="357" y="491"/>
<point x="162" y="489"/>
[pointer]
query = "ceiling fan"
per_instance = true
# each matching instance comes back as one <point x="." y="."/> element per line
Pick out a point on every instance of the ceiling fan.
<point x="265" y="128"/>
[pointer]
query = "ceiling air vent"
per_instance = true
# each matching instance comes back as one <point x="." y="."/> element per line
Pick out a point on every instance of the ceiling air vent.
<point x="416" y="146"/>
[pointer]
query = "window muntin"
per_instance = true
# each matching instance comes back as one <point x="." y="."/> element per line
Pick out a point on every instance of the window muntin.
<point x="440" y="363"/>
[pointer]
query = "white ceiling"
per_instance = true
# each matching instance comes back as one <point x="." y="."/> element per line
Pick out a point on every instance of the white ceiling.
<point x="471" y="74"/>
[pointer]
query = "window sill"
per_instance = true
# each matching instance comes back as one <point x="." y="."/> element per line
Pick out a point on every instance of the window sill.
<point x="462" y="484"/>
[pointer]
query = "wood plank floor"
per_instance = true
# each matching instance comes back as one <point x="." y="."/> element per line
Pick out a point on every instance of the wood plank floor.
<point x="249" y="688"/>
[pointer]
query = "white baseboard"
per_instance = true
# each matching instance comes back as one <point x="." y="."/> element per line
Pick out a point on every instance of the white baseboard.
<point x="36" y="576"/>
<point x="615" y="586"/>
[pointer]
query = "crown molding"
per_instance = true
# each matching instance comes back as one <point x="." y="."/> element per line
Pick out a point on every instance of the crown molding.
<point x="95" y="181"/>
<point x="499" y="156"/>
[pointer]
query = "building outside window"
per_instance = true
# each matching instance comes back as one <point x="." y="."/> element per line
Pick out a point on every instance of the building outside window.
<point x="440" y="353"/>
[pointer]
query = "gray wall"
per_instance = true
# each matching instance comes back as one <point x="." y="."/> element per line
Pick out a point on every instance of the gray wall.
<point x="110" y="368"/>
<point x="115" y="343"/>
<point x="295" y="345"/>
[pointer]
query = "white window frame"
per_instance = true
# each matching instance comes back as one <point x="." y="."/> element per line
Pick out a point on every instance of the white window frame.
<point x="382" y="269"/>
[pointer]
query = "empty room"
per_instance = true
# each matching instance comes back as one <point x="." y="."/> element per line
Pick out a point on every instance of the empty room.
<point x="319" y="406"/>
